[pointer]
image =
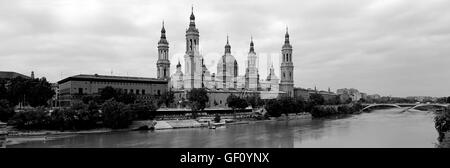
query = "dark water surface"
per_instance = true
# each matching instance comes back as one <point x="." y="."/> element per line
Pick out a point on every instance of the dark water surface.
<point x="381" y="128"/>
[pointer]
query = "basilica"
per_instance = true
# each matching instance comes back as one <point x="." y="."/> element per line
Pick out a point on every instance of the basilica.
<point x="226" y="80"/>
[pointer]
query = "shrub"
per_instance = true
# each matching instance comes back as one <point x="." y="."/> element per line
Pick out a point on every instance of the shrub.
<point x="326" y="110"/>
<point x="6" y="111"/>
<point x="442" y="123"/>
<point x="143" y="110"/>
<point x="235" y="102"/>
<point x="217" y="118"/>
<point x="116" y="114"/>
<point x="33" y="119"/>
<point x="273" y="108"/>
<point x="78" y="116"/>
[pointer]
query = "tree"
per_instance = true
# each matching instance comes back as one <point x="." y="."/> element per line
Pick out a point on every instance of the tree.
<point x="287" y="105"/>
<point x="255" y="101"/>
<point x="35" y="92"/>
<point x="235" y="102"/>
<point x="300" y="104"/>
<point x="6" y="111"/>
<point x="40" y="92"/>
<point x="126" y="98"/>
<point x="144" y="110"/>
<point x="3" y="91"/>
<point x="108" y="93"/>
<point x="448" y="99"/>
<point x="36" y="118"/>
<point x="317" y="99"/>
<point x="198" y="98"/>
<point x="273" y="108"/>
<point x="166" y="98"/>
<point x="116" y="114"/>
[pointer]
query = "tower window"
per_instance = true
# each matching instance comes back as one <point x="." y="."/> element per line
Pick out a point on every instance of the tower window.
<point x="190" y="44"/>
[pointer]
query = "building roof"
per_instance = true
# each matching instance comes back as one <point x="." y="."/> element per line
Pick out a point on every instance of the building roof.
<point x="11" y="75"/>
<point x="105" y="78"/>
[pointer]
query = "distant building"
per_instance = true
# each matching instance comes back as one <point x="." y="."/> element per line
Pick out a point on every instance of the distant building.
<point x="75" y="87"/>
<point x="5" y="75"/>
<point x="305" y="94"/>
<point x="374" y="97"/>
<point x="217" y="98"/>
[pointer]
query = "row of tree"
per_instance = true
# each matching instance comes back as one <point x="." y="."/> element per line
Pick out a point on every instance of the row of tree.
<point x="198" y="100"/>
<point x="34" y="92"/>
<point x="80" y="116"/>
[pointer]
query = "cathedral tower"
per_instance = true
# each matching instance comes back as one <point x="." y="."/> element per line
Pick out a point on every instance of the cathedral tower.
<point x="193" y="59"/>
<point x="287" y="68"/>
<point x="163" y="62"/>
<point x="227" y="69"/>
<point x="251" y="73"/>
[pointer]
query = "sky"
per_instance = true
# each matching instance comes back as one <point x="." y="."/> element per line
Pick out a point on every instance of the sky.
<point x="386" y="47"/>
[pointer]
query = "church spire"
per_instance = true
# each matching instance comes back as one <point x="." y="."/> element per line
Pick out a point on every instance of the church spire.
<point x="227" y="46"/>
<point x="163" y="39"/>
<point x="286" y="36"/>
<point x="192" y="18"/>
<point x="178" y="65"/>
<point x="252" y="49"/>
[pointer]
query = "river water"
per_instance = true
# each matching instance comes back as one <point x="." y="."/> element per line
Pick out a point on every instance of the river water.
<point x="389" y="128"/>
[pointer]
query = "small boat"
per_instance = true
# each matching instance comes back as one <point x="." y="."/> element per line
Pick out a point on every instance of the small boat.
<point x="212" y="127"/>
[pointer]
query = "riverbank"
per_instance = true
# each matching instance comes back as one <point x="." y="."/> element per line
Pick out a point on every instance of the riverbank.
<point x="20" y="136"/>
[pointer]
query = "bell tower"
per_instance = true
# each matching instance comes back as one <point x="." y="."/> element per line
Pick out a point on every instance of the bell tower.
<point x="163" y="62"/>
<point x="287" y="68"/>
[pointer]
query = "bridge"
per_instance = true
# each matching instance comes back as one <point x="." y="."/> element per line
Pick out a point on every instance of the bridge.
<point x="409" y="106"/>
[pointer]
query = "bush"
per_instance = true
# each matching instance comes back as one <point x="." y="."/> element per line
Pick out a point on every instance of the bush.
<point x="217" y="118"/>
<point x="33" y="119"/>
<point x="116" y="114"/>
<point x="6" y="111"/>
<point x="273" y="108"/>
<point x="79" y="116"/>
<point x="326" y="110"/>
<point x="235" y="102"/>
<point x="442" y="124"/>
<point x="143" y="110"/>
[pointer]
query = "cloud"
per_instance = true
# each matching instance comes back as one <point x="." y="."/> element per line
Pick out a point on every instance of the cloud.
<point x="390" y="47"/>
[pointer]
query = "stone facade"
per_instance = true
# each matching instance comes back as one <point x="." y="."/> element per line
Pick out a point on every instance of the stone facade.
<point x="75" y="87"/>
<point x="287" y="68"/>
<point x="163" y="63"/>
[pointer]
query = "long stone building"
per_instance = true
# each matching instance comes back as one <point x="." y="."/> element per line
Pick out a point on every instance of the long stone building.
<point x="74" y="88"/>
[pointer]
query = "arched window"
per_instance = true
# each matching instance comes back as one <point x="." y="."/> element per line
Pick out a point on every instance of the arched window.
<point x="290" y="75"/>
<point x="284" y="75"/>
<point x="190" y="44"/>
<point x="164" y="72"/>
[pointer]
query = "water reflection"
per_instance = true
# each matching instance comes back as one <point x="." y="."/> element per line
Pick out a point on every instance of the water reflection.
<point x="381" y="128"/>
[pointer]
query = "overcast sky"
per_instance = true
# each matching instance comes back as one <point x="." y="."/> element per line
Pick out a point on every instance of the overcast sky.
<point x="389" y="47"/>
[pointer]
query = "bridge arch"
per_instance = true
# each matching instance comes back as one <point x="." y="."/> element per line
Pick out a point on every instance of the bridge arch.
<point x="381" y="105"/>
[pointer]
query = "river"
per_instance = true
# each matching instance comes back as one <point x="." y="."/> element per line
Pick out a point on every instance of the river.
<point x="389" y="128"/>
